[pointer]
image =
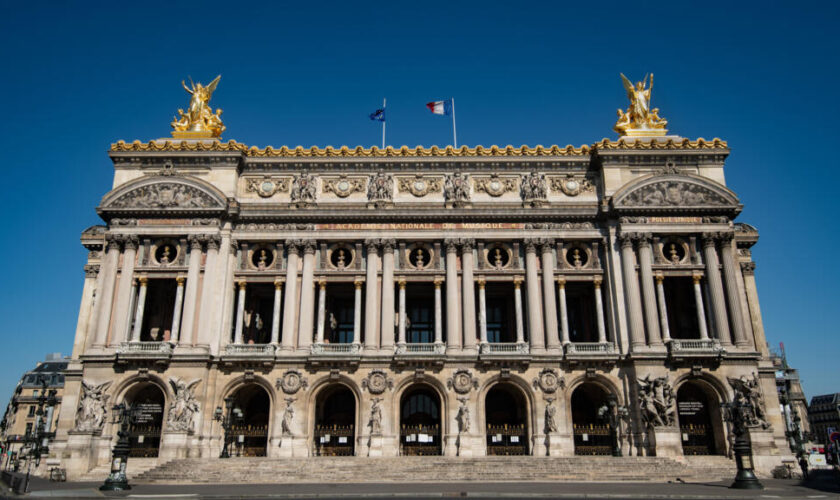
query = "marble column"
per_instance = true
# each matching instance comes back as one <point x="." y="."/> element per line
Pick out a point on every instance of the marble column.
<point x="371" y="295"/>
<point x="357" y="311"/>
<point x="322" y="310"/>
<point x="290" y="302"/>
<point x="453" y="313"/>
<point x="105" y="295"/>
<point x="482" y="310"/>
<point x="176" y="314"/>
<point x="733" y="294"/>
<point x="564" y="310"/>
<point x="468" y="295"/>
<point x="517" y="301"/>
<point x="438" y="312"/>
<point x="716" y="289"/>
<point x="209" y="291"/>
<point x="122" y="311"/>
<point x="701" y="312"/>
<point x="401" y="328"/>
<point x="386" y="321"/>
<point x="307" y="297"/>
<point x="275" y="311"/>
<point x="240" y="312"/>
<point x="532" y="281"/>
<point x="549" y="301"/>
<point x="663" y="309"/>
<point x="191" y="291"/>
<point x="648" y="292"/>
<point x="631" y="292"/>
<point x="599" y="311"/>
<point x="81" y="341"/>
<point x="141" y="305"/>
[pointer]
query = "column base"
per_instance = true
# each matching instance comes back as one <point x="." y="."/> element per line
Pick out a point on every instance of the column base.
<point x="666" y="441"/>
<point x="559" y="445"/>
<point x="374" y="446"/>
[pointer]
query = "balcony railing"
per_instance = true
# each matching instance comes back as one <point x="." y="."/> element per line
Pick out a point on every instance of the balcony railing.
<point x="505" y="348"/>
<point x="164" y="348"/>
<point x="336" y="349"/>
<point x="688" y="346"/>
<point x="590" y="348"/>
<point x="250" y="350"/>
<point x="421" y="348"/>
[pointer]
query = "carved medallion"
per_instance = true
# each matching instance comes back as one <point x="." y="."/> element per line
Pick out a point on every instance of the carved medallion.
<point x="267" y="186"/>
<point x="462" y="381"/>
<point x="548" y="381"/>
<point x="291" y="382"/>
<point x="494" y="185"/>
<point x="420" y="185"/>
<point x="344" y="186"/>
<point x="377" y="381"/>
<point x="571" y="185"/>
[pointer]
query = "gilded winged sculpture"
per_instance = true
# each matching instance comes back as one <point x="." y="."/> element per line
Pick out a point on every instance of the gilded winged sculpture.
<point x="199" y="121"/>
<point x="639" y="119"/>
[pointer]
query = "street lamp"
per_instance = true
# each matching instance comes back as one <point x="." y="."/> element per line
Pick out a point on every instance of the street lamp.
<point x="123" y="415"/>
<point x="227" y="417"/>
<point x="738" y="414"/>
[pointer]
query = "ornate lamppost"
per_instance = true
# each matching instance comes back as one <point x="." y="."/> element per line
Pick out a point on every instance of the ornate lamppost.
<point x="612" y="414"/>
<point x="124" y="415"/>
<point x="227" y="417"/>
<point x="738" y="414"/>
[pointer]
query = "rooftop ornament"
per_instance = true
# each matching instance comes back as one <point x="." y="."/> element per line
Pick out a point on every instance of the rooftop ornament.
<point x="640" y="120"/>
<point x="199" y="121"/>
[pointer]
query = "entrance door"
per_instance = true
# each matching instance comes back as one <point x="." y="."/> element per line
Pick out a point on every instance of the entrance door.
<point x="694" y="414"/>
<point x="335" y="422"/>
<point x="591" y="435"/>
<point x="144" y="431"/>
<point x="420" y="422"/>
<point x="507" y="432"/>
<point x="250" y="433"/>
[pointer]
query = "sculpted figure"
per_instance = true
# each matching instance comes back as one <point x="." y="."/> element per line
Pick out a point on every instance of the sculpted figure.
<point x="656" y="401"/>
<point x="456" y="188"/>
<point x="303" y="189"/>
<point x="375" y="422"/>
<point x="463" y="417"/>
<point x="639" y="116"/>
<point x="288" y="417"/>
<point x="91" y="411"/>
<point x="550" y="416"/>
<point x="380" y="187"/>
<point x="184" y="406"/>
<point x="748" y="392"/>
<point x="199" y="117"/>
<point x="533" y="187"/>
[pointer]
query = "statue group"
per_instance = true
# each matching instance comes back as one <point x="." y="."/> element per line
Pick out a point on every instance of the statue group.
<point x="199" y="118"/>
<point x="639" y="119"/>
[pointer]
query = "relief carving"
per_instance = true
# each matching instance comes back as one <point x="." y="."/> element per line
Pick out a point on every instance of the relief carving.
<point x="291" y="382"/>
<point x="533" y="187"/>
<point x="165" y="195"/>
<point x="462" y="381"/>
<point x="90" y="414"/>
<point x="420" y="185"/>
<point x="303" y="189"/>
<point x="494" y="185"/>
<point x="268" y="186"/>
<point x="380" y="187"/>
<point x="184" y="406"/>
<point x="570" y="185"/>
<point x="674" y="193"/>
<point x="344" y="186"/>
<point x="656" y="401"/>
<point x="456" y="189"/>
<point x="748" y="392"/>
<point x="377" y="381"/>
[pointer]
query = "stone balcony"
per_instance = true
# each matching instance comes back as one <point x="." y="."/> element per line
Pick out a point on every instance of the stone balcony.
<point x="695" y="348"/>
<point x="158" y="352"/>
<point x="335" y="353"/>
<point x="249" y="354"/>
<point x="492" y="352"/>
<point x="597" y="351"/>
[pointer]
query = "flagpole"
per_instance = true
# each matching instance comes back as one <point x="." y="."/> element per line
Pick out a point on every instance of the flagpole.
<point x="383" y="122"/>
<point x="454" y="134"/>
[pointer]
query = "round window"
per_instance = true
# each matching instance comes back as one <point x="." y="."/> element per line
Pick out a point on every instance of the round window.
<point x="341" y="257"/>
<point x="262" y="258"/>
<point x="419" y="257"/>
<point x="498" y="256"/>
<point x="576" y="257"/>
<point x="674" y="251"/>
<point x="166" y="253"/>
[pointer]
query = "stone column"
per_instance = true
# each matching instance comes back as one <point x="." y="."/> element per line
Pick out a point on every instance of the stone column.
<point x="468" y="294"/>
<point x="122" y="312"/>
<point x="716" y="288"/>
<point x="733" y="295"/>
<point x="105" y="295"/>
<point x="631" y="291"/>
<point x="289" y="309"/>
<point x="176" y="315"/>
<point x="517" y="299"/>
<point x="307" y="296"/>
<point x="209" y="292"/>
<point x="357" y="311"/>
<point x="141" y="304"/>
<point x="535" y="327"/>
<point x="240" y="311"/>
<point x="550" y="305"/>
<point x="701" y="312"/>
<point x="275" y="311"/>
<point x="81" y="341"/>
<point x="663" y="310"/>
<point x="482" y="310"/>
<point x="322" y="310"/>
<point x="438" y="312"/>
<point x="648" y="293"/>
<point x="599" y="311"/>
<point x="564" y="311"/>
<point x="371" y="295"/>
<point x="453" y="314"/>
<point x="401" y="340"/>
<point x="386" y="321"/>
<point x="191" y="291"/>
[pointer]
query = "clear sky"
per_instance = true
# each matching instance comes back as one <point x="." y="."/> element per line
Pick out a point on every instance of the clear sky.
<point x="77" y="76"/>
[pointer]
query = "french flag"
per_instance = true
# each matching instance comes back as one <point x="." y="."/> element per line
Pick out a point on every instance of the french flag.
<point x="440" y="107"/>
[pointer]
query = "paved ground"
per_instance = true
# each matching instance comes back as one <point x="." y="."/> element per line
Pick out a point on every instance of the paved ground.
<point x="826" y="485"/>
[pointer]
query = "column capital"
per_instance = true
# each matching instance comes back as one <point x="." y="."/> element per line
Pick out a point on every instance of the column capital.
<point x="309" y="246"/>
<point x="438" y="281"/>
<point x="91" y="270"/>
<point x="627" y="239"/>
<point x="481" y="282"/>
<point x="143" y="280"/>
<point x="467" y="244"/>
<point x="213" y="241"/>
<point x="322" y="283"/>
<point x="696" y="278"/>
<point x="531" y="244"/>
<point x="597" y="282"/>
<point x="357" y="283"/>
<point x="517" y="281"/>
<point x="241" y="284"/>
<point x="180" y="280"/>
<point x="711" y="238"/>
<point x="278" y="283"/>
<point x="113" y="241"/>
<point x="372" y="245"/>
<point x="659" y="277"/>
<point x="561" y="281"/>
<point x="451" y="245"/>
<point x="388" y="245"/>
<point x="546" y="244"/>
<point x="196" y="241"/>
<point x="131" y="241"/>
<point x="643" y="239"/>
<point x="401" y="282"/>
<point x="748" y="268"/>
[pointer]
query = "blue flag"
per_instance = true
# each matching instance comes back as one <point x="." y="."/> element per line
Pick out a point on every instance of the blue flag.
<point x="378" y="115"/>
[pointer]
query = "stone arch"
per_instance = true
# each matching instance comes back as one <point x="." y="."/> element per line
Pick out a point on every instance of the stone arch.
<point x="148" y="397"/>
<point x="233" y="388"/>
<point x="432" y="387"/>
<point x="606" y="383"/>
<point x="514" y="384"/>
<point x="676" y="191"/>
<point x="179" y="193"/>
<point x="591" y="435"/>
<point x="316" y="391"/>
<point x="699" y="417"/>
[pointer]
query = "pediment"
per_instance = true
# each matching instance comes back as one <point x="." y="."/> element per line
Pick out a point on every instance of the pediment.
<point x="675" y="191"/>
<point x="165" y="193"/>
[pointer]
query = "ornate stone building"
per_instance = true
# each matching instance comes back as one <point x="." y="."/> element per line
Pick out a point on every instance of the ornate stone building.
<point x="409" y="301"/>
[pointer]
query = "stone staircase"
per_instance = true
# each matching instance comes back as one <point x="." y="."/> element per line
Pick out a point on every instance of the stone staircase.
<point x="134" y="468"/>
<point x="437" y="469"/>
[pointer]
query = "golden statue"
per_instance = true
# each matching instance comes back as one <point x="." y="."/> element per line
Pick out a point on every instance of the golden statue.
<point x="199" y="122"/>
<point x="640" y="120"/>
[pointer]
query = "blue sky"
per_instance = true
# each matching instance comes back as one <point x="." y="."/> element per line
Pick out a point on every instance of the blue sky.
<point x="77" y="76"/>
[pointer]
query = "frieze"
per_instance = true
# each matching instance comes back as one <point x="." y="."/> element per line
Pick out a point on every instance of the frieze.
<point x="559" y="225"/>
<point x="165" y="195"/>
<point x="674" y="193"/>
<point x="494" y="185"/>
<point x="270" y="226"/>
<point x="267" y="186"/>
<point x="343" y="186"/>
<point x="420" y="185"/>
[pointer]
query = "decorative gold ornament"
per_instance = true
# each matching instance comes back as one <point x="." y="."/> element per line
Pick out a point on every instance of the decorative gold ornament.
<point x="640" y="120"/>
<point x="419" y="185"/>
<point x="199" y="122"/>
<point x="494" y="185"/>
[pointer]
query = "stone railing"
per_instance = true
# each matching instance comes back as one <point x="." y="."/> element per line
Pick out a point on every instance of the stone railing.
<point x="505" y="348"/>
<point x="145" y="348"/>
<point x="590" y="348"/>
<point x="250" y="349"/>
<point x="336" y="349"/>
<point x="422" y="348"/>
<point x="701" y="346"/>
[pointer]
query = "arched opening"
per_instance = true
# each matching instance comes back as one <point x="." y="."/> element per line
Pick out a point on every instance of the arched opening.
<point x="701" y="425"/>
<point x="420" y="422"/>
<point x="506" y="416"/>
<point x="335" y="421"/>
<point x="147" y="400"/>
<point x="591" y="433"/>
<point x="249" y="430"/>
